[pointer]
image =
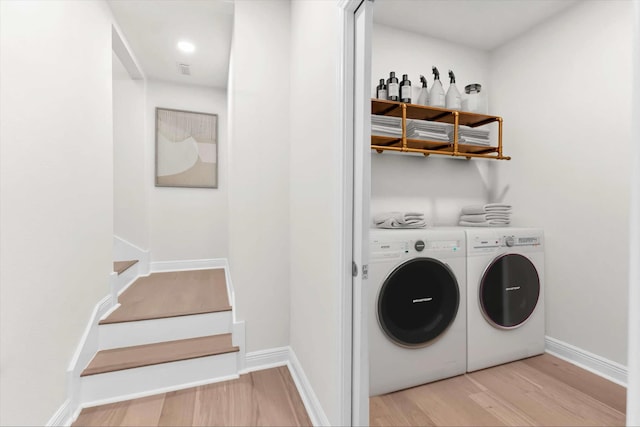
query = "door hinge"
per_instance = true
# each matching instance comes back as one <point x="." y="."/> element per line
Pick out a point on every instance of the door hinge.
<point x="365" y="272"/>
<point x="354" y="269"/>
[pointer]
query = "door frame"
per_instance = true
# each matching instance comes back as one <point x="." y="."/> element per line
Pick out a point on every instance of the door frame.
<point x="354" y="395"/>
<point x="348" y="390"/>
<point x="633" y="361"/>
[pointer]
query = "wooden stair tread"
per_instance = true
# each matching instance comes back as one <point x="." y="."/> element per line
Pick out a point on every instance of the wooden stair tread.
<point x="152" y="354"/>
<point x="121" y="266"/>
<point x="171" y="294"/>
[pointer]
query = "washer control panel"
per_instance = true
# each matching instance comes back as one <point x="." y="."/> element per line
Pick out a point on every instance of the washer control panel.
<point x="444" y="245"/>
<point x="387" y="250"/>
<point x="384" y="249"/>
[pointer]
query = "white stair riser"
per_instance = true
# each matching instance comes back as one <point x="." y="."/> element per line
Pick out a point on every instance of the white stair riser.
<point x="131" y="383"/>
<point x="126" y="334"/>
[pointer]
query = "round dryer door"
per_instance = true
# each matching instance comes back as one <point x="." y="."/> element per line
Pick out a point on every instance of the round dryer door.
<point x="509" y="291"/>
<point x="418" y="301"/>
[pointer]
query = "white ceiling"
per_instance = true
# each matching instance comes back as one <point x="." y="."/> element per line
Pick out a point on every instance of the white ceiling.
<point x="483" y="24"/>
<point x="154" y="27"/>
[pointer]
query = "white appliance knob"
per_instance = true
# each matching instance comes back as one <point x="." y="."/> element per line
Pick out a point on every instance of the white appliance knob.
<point x="509" y="241"/>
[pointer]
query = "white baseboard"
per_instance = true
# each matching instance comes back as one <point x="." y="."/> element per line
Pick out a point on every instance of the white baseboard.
<point x="598" y="365"/>
<point x="265" y="359"/>
<point x="193" y="264"/>
<point x="120" y="282"/>
<point x="309" y="398"/>
<point x="238" y="339"/>
<point x="123" y="250"/>
<point x="88" y="344"/>
<point x="86" y="349"/>
<point x="62" y="417"/>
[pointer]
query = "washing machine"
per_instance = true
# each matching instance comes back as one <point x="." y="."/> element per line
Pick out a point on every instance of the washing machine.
<point x="505" y="295"/>
<point x="417" y="307"/>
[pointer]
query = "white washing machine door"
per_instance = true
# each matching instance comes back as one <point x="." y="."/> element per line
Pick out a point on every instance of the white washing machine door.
<point x="509" y="291"/>
<point x="417" y="302"/>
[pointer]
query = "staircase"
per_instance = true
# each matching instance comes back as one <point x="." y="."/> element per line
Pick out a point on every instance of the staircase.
<point x="168" y="331"/>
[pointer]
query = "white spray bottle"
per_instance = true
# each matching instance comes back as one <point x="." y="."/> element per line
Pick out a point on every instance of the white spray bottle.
<point x="423" y="97"/>
<point x="453" y="98"/>
<point x="436" y="96"/>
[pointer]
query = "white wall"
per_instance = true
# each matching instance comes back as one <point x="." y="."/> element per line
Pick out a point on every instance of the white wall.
<point x="187" y="223"/>
<point x="130" y="169"/>
<point x="56" y="213"/>
<point x="315" y="201"/>
<point x="436" y="185"/>
<point x="564" y="92"/>
<point x="259" y="171"/>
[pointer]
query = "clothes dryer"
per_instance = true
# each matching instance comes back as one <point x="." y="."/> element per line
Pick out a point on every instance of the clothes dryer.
<point x="417" y="307"/>
<point x="505" y="295"/>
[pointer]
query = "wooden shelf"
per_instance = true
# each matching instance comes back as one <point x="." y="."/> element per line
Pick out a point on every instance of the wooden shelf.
<point x="434" y="114"/>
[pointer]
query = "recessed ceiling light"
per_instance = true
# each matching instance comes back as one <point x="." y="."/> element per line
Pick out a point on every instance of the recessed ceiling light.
<point x="186" y="47"/>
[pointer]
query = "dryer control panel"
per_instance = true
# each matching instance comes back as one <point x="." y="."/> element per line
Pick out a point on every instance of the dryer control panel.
<point x="500" y="240"/>
<point x="523" y="241"/>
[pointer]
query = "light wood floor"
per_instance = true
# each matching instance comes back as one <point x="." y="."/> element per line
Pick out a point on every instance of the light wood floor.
<point x="261" y="398"/>
<point x="539" y="391"/>
<point x="155" y="296"/>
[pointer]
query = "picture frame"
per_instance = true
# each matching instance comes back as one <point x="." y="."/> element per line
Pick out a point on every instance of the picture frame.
<point x="186" y="149"/>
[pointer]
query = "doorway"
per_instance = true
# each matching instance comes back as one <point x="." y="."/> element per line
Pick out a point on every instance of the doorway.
<point x="631" y="378"/>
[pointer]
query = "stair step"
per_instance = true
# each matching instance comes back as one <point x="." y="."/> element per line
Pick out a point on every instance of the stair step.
<point x="121" y="266"/>
<point x="118" y="359"/>
<point x="170" y="294"/>
<point x="125" y="334"/>
<point x="132" y="383"/>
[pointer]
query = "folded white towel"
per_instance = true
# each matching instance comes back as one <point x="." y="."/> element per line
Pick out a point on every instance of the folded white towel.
<point x="473" y="141"/>
<point x="416" y="134"/>
<point x="399" y="216"/>
<point x="400" y="220"/>
<point x="392" y="223"/>
<point x="488" y="208"/>
<point x="486" y="217"/>
<point x="492" y="223"/>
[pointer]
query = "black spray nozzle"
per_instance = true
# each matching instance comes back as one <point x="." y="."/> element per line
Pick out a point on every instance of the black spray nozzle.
<point x="436" y="73"/>
<point x="423" y="80"/>
<point x="452" y="77"/>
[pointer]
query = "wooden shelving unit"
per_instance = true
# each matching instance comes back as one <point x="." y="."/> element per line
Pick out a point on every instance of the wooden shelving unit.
<point x="426" y="147"/>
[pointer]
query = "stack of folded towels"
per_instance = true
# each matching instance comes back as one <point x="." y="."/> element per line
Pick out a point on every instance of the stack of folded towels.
<point x="386" y="126"/>
<point x="432" y="131"/>
<point x="467" y="135"/>
<point x="400" y="220"/>
<point x="489" y="215"/>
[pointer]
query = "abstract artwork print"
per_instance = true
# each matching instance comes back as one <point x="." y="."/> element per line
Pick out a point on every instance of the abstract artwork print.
<point x="186" y="149"/>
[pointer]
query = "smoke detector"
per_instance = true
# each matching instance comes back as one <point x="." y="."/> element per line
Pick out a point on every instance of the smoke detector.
<point x="184" y="69"/>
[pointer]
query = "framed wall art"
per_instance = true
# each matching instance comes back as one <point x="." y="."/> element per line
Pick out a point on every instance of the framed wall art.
<point x="186" y="149"/>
